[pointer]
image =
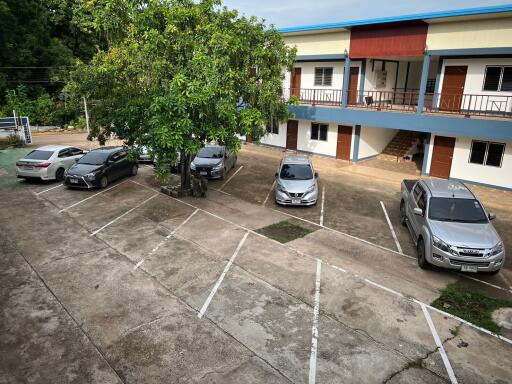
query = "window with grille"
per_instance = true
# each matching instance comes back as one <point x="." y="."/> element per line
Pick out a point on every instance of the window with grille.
<point x="486" y="153"/>
<point x="319" y="131"/>
<point x="498" y="78"/>
<point x="323" y="76"/>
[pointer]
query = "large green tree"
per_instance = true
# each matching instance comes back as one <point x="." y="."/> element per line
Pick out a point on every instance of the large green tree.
<point x="180" y="73"/>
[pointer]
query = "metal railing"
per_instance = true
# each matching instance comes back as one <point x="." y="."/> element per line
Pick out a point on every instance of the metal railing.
<point x="407" y="101"/>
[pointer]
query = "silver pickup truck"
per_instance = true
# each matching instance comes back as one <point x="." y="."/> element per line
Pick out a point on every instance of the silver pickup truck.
<point x="450" y="227"/>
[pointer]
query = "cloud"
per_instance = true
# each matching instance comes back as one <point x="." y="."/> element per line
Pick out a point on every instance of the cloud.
<point x="286" y="13"/>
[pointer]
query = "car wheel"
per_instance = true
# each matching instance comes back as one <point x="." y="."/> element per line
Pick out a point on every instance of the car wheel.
<point x="103" y="182"/>
<point x="420" y="249"/>
<point x="403" y="217"/>
<point x="59" y="174"/>
<point x="135" y="169"/>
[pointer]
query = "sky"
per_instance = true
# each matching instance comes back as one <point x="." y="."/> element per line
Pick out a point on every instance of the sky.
<point x="290" y="13"/>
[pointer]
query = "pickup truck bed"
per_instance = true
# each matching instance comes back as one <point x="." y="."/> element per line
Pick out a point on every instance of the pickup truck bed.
<point x="409" y="183"/>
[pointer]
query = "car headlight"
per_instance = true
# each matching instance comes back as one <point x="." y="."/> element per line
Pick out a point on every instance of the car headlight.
<point x="498" y="248"/>
<point x="218" y="167"/>
<point x="311" y="188"/>
<point x="280" y="188"/>
<point x="91" y="176"/>
<point x="192" y="166"/>
<point x="443" y="246"/>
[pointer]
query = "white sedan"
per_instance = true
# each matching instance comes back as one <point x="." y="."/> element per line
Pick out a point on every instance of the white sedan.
<point x="48" y="162"/>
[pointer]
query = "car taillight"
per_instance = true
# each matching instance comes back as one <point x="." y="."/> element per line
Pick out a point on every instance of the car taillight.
<point x="42" y="165"/>
<point x="19" y="163"/>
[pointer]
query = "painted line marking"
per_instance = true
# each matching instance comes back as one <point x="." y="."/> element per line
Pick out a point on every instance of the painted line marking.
<point x="269" y="192"/>
<point x="218" y="190"/>
<point x="439" y="344"/>
<point x="505" y="279"/>
<point x="49" y="189"/>
<point x="219" y="281"/>
<point x="90" y="197"/>
<point x="304" y="254"/>
<point x="124" y="214"/>
<point x="172" y="233"/>
<point x="314" y="330"/>
<point x="322" y="209"/>
<point x="233" y="175"/>
<point x="391" y="228"/>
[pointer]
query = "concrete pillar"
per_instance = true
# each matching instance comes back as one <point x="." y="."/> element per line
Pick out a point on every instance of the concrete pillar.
<point x="423" y="83"/>
<point x="361" y="82"/>
<point x="357" y="138"/>
<point x="346" y="79"/>
<point x="425" y="155"/>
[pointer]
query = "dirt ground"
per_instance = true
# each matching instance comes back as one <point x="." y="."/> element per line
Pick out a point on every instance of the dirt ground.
<point x="129" y="285"/>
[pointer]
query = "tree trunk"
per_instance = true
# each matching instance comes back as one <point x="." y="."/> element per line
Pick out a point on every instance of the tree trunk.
<point x="185" y="171"/>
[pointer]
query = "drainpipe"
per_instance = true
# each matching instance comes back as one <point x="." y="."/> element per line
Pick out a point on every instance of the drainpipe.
<point x="423" y="83"/>
<point x="346" y="79"/>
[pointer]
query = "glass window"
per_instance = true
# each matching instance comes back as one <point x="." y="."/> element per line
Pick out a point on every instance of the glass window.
<point x="211" y="153"/>
<point x="39" y="155"/>
<point x="94" y="158"/>
<point x="422" y="203"/>
<point x="65" y="152"/>
<point x="323" y="76"/>
<point x="459" y="210"/>
<point x="495" y="154"/>
<point x="273" y="126"/>
<point x="478" y="149"/>
<point x="417" y="192"/>
<point x="319" y="131"/>
<point x="492" y="78"/>
<point x="296" y="172"/>
<point x="506" y="79"/>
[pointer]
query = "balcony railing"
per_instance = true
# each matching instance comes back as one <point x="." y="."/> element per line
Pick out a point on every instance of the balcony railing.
<point x="407" y="101"/>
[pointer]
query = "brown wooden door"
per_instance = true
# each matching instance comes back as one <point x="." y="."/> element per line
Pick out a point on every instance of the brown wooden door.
<point x="344" y="142"/>
<point x="442" y="156"/>
<point x="291" y="134"/>
<point x="352" y="85"/>
<point x="453" y="88"/>
<point x="295" y="82"/>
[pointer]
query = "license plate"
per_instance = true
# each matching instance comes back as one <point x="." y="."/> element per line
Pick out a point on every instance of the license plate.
<point x="469" y="268"/>
<point x="295" y="201"/>
<point x="203" y="173"/>
<point x="73" y="181"/>
<point x="28" y="168"/>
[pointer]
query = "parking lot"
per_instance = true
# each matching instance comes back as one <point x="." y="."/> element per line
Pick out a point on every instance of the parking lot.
<point x="129" y="285"/>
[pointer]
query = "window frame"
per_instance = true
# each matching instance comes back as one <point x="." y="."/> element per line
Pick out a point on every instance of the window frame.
<point x="322" y="78"/>
<point x="487" y="145"/>
<point x="273" y="126"/>
<point x="318" y="138"/>
<point x="500" y="80"/>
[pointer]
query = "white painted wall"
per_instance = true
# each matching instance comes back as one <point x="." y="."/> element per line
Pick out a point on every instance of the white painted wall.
<point x="304" y="142"/>
<point x="475" y="82"/>
<point x="463" y="169"/>
<point x="373" y="140"/>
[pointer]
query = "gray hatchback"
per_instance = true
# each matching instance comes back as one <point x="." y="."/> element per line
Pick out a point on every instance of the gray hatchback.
<point x="296" y="181"/>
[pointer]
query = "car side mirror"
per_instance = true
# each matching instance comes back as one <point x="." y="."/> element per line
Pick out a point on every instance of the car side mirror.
<point x="316" y="175"/>
<point x="491" y="215"/>
<point x="275" y="175"/>
<point x="418" y="211"/>
<point x="76" y="160"/>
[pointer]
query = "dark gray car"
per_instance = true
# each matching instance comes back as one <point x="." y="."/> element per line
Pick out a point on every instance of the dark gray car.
<point x="213" y="161"/>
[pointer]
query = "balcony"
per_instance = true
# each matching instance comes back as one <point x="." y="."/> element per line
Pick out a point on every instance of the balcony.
<point x="400" y="100"/>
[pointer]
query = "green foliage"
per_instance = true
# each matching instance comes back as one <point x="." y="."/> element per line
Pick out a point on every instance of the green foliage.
<point x="179" y="73"/>
<point x="470" y="305"/>
<point x="285" y="231"/>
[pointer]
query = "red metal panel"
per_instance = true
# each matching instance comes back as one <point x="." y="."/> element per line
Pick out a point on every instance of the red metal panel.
<point x="388" y="40"/>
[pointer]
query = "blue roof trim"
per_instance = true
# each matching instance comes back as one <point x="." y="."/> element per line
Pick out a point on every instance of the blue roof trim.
<point x="417" y="16"/>
<point x="471" y="51"/>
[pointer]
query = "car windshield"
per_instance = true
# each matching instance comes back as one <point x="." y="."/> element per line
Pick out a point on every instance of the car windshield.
<point x="94" y="158"/>
<point x="39" y="155"/>
<point x="296" y="172"/>
<point x="459" y="210"/>
<point x="211" y="153"/>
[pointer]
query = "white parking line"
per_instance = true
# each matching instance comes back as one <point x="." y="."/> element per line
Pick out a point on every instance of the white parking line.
<point x="164" y="240"/>
<point x="233" y="175"/>
<point x="314" y="330"/>
<point x="322" y="209"/>
<point x="269" y="192"/>
<point x="391" y="228"/>
<point x="439" y="344"/>
<point x="218" y="190"/>
<point x="124" y="214"/>
<point x="90" y="197"/>
<point x="49" y="189"/>
<point x="219" y="281"/>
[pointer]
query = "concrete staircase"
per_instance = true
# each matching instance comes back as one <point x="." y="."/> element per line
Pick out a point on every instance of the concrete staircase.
<point x="399" y="146"/>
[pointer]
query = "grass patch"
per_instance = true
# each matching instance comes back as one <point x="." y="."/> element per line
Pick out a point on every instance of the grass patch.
<point x="284" y="231"/>
<point x="470" y="305"/>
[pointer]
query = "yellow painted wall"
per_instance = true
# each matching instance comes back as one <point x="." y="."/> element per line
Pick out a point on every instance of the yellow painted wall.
<point x="470" y="34"/>
<point x="320" y="43"/>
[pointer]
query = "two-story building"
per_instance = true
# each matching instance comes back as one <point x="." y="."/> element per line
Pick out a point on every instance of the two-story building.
<point x="435" y="86"/>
